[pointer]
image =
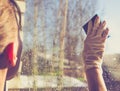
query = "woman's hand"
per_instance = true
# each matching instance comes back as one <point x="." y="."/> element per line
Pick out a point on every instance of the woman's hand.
<point x="94" y="43"/>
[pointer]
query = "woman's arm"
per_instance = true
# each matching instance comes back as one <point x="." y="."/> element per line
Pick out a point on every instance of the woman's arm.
<point x="95" y="80"/>
<point x="93" y="54"/>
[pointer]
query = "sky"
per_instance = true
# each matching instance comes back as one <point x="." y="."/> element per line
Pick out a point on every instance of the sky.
<point x="112" y="16"/>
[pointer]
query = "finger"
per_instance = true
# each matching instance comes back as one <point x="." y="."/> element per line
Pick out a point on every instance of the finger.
<point x="105" y="33"/>
<point x="89" y="27"/>
<point x="101" y="28"/>
<point x="96" y="26"/>
<point x="103" y="25"/>
<point x="96" y="22"/>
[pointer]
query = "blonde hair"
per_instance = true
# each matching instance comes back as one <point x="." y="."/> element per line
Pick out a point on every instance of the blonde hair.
<point x="8" y="26"/>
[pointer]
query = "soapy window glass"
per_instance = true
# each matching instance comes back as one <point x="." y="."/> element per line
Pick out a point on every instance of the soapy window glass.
<point x="53" y="43"/>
